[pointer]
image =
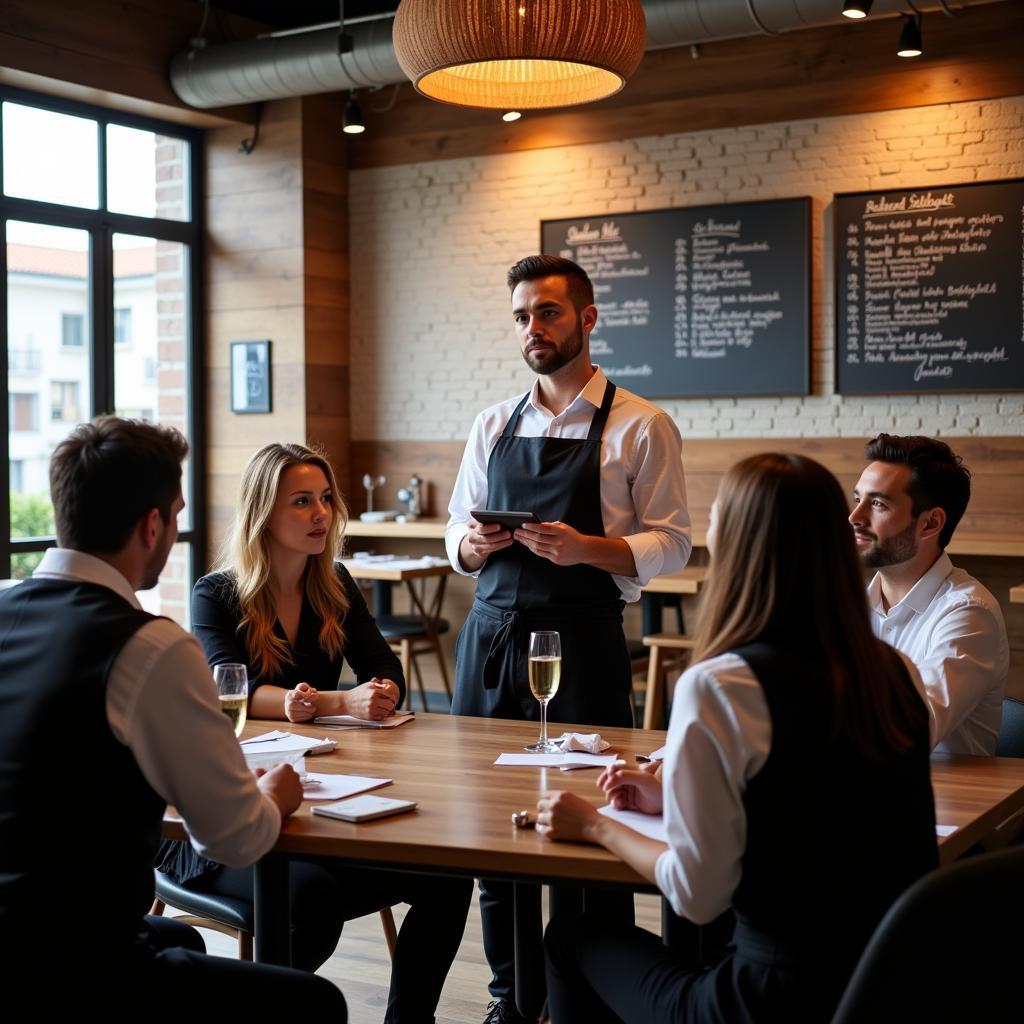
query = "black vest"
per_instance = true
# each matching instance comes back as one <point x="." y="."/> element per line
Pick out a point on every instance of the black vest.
<point x="77" y="818"/>
<point x="832" y="837"/>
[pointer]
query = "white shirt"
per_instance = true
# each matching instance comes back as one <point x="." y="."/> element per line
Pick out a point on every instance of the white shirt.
<point x="952" y="628"/>
<point x="643" y="491"/>
<point x="162" y="704"/>
<point x="719" y="737"/>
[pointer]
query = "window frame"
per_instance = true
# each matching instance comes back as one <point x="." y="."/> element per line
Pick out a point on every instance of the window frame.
<point x="102" y="224"/>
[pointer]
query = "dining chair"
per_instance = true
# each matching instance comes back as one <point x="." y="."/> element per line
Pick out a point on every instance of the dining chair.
<point x="1011" y="732"/>
<point x="948" y="950"/>
<point x="408" y="638"/>
<point x="229" y="916"/>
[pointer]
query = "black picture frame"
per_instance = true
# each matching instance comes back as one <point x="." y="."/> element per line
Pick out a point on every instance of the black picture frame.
<point x="251" y="379"/>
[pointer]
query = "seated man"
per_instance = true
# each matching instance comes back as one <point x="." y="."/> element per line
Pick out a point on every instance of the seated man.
<point x="907" y="504"/>
<point x="107" y="714"/>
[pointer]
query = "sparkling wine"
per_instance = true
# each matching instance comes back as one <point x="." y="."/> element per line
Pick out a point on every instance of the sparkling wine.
<point x="233" y="705"/>
<point x="545" y="673"/>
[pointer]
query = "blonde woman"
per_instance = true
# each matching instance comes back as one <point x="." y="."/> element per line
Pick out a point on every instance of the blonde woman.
<point x="280" y="604"/>
<point x="796" y="786"/>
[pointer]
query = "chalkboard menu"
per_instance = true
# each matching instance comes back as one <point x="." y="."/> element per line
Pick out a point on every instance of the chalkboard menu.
<point x="707" y="300"/>
<point x="930" y="289"/>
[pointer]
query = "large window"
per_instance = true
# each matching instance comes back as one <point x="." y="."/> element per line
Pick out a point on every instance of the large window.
<point x="100" y="285"/>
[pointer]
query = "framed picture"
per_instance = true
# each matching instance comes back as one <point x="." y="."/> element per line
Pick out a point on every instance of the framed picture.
<point x="250" y="376"/>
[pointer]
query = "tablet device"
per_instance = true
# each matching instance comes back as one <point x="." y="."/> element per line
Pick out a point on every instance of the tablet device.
<point x="509" y="520"/>
<point x="365" y="808"/>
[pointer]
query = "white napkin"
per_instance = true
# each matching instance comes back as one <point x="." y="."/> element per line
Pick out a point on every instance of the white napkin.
<point x="588" y="742"/>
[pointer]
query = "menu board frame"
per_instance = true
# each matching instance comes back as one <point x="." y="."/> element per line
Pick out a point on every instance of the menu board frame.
<point x="799" y="381"/>
<point x="840" y="337"/>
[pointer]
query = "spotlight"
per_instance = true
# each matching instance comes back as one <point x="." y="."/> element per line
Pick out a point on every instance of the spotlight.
<point x="857" y="8"/>
<point x="910" y="37"/>
<point x="512" y="115"/>
<point x="352" y="121"/>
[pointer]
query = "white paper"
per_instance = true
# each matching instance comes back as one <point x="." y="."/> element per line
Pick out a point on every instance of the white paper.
<point x="390" y="562"/>
<point x="650" y="825"/>
<point x="337" y="787"/>
<point x="288" y="742"/>
<point x="351" y="722"/>
<point x="657" y="755"/>
<point x="945" y="830"/>
<point x="266" y="737"/>
<point x="574" y="760"/>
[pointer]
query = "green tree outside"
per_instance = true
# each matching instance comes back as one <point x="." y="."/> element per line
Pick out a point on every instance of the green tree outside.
<point x="31" y="516"/>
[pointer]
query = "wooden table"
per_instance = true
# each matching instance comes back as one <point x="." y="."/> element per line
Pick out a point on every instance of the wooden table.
<point x="463" y="825"/>
<point x="1017" y="594"/>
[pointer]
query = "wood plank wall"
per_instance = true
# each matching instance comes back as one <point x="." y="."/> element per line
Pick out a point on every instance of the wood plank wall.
<point x="114" y="53"/>
<point x="276" y="259"/>
<point x="842" y="69"/>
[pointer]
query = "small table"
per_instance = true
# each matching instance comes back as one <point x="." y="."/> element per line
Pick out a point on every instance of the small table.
<point x="1017" y="594"/>
<point x="685" y="581"/>
<point x="407" y="571"/>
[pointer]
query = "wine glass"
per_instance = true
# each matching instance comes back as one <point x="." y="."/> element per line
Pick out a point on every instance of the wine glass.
<point x="545" y="674"/>
<point x="233" y="687"/>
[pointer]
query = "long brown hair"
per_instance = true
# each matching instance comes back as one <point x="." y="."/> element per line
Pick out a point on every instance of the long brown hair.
<point x="246" y="556"/>
<point x="785" y="567"/>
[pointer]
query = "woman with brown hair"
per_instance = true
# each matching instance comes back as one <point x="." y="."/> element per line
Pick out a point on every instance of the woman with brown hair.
<point x="795" y="788"/>
<point x="281" y="604"/>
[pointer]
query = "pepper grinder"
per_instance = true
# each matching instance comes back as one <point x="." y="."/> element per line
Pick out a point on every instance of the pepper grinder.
<point x="371" y="482"/>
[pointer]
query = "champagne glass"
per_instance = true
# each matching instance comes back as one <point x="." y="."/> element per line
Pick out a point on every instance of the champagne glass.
<point x="233" y="687"/>
<point x="545" y="674"/>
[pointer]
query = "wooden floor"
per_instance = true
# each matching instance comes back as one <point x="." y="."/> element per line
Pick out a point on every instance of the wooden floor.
<point x="360" y="967"/>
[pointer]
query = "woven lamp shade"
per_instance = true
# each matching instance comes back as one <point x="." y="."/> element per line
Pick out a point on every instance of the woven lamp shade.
<point x="519" y="54"/>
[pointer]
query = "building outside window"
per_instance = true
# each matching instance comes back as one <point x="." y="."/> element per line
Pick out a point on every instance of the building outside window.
<point x="72" y="330"/>
<point x="64" y="401"/>
<point x="123" y="326"/>
<point x="116" y="258"/>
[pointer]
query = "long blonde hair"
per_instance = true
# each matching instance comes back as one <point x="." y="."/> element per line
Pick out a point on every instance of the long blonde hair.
<point x="245" y="556"/>
<point x="785" y="569"/>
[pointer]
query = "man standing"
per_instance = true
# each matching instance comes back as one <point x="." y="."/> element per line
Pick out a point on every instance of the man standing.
<point x="107" y="714"/>
<point x="601" y="471"/>
<point x="907" y="504"/>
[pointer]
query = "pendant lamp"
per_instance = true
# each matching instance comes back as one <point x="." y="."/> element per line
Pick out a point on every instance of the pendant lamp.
<point x="519" y="54"/>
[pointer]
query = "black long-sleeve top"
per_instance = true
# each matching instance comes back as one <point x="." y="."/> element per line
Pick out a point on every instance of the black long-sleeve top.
<point x="216" y="614"/>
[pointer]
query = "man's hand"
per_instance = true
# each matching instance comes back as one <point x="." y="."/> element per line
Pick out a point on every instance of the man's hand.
<point x="300" y="704"/>
<point x="283" y="786"/>
<point x="566" y="817"/>
<point x="480" y="542"/>
<point x="631" y="790"/>
<point x="557" y="542"/>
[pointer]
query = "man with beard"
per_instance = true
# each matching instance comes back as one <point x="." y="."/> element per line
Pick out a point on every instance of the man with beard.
<point x="107" y="714"/>
<point x="907" y="504"/>
<point x="601" y="471"/>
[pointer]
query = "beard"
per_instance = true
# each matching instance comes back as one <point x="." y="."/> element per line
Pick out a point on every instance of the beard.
<point x="564" y="353"/>
<point x="901" y="547"/>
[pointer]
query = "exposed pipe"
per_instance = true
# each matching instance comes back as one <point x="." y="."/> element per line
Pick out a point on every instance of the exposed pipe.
<point x="304" y="64"/>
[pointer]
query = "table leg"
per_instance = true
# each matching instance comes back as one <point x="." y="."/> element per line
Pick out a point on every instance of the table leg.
<point x="650" y="611"/>
<point x="381" y="598"/>
<point x="272" y="911"/>
<point x="654" y="699"/>
<point x="531" y="985"/>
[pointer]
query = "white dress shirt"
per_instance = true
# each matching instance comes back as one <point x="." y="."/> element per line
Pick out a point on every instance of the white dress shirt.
<point x="162" y="704"/>
<point x="643" y="491"/>
<point x="719" y="737"/>
<point x="952" y="628"/>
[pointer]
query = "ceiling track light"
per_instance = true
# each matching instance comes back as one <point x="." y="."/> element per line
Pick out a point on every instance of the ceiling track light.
<point x="352" y="120"/>
<point x="910" y="44"/>
<point x="857" y="8"/>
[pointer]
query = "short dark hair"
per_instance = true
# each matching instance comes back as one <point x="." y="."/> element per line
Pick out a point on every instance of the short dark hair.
<point x="107" y="474"/>
<point x="531" y="268"/>
<point x="938" y="477"/>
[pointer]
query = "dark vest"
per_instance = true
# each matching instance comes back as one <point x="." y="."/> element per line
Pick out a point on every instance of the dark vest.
<point x="832" y="837"/>
<point x="78" y="821"/>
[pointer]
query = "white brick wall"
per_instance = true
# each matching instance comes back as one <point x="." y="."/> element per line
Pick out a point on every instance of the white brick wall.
<point x="431" y="330"/>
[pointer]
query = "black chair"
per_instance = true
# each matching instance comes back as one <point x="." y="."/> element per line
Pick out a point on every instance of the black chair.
<point x="948" y="951"/>
<point x="227" y="915"/>
<point x="1011" y="732"/>
<point x="408" y="637"/>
